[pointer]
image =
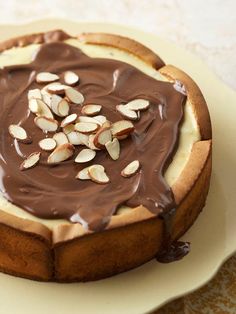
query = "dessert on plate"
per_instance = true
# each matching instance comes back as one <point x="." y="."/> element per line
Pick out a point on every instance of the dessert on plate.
<point x="105" y="156"/>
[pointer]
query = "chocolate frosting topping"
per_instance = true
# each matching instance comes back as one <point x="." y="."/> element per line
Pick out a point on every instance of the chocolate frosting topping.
<point x="52" y="192"/>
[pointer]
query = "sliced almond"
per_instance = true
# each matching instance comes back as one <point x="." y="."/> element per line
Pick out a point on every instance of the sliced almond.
<point x="19" y="133"/>
<point x="30" y="161"/>
<point x="131" y="169"/>
<point x="60" y="138"/>
<point x="101" y="119"/>
<point x="56" y="88"/>
<point x="90" y="142"/>
<point x="102" y="137"/>
<point x="122" y="127"/>
<point x="34" y="93"/>
<point x="113" y="148"/>
<point x="63" y="108"/>
<point x="43" y="109"/>
<point x="85" y="155"/>
<point x="106" y="124"/>
<point x="75" y="138"/>
<point x="97" y="174"/>
<point x="138" y="104"/>
<point x="46" y="77"/>
<point x="71" y="78"/>
<point x="47" y="99"/>
<point x="46" y="124"/>
<point x="74" y="96"/>
<point x="88" y="119"/>
<point x="47" y="144"/>
<point x="86" y="128"/>
<point x="55" y="101"/>
<point x="33" y="105"/>
<point x="83" y="174"/>
<point x="69" y="120"/>
<point x="68" y="129"/>
<point x="126" y="112"/>
<point x="61" y="153"/>
<point x="91" y="110"/>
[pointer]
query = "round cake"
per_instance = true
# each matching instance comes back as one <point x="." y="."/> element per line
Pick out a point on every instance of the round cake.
<point x="105" y="156"/>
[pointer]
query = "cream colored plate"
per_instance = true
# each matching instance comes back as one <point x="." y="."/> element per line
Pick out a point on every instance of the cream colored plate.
<point x="212" y="237"/>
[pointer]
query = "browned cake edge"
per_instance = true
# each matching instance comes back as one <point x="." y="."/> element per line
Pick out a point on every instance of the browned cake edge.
<point x="69" y="253"/>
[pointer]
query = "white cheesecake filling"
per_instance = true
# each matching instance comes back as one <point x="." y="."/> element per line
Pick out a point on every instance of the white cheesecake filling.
<point x="189" y="131"/>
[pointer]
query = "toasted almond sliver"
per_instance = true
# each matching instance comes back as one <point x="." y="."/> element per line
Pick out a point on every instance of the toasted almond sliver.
<point x="83" y="174"/>
<point x="33" y="105"/>
<point x="60" y="138"/>
<point x="91" y="110"/>
<point x="122" y="127"/>
<point x="88" y="119"/>
<point x="63" y="108"/>
<point x="97" y="174"/>
<point x="30" y="161"/>
<point x="43" y="109"/>
<point x="68" y="129"/>
<point x="61" y="153"/>
<point x="113" y="148"/>
<point x="86" y="128"/>
<point x="138" y="104"/>
<point x="102" y="137"/>
<point x="131" y="169"/>
<point x="46" y="77"/>
<point x="126" y="112"/>
<point x="46" y="124"/>
<point x="90" y="142"/>
<point x="68" y="120"/>
<point x="55" y="101"/>
<point x="74" y="96"/>
<point x="47" y="144"/>
<point x="18" y="133"/>
<point x="100" y="119"/>
<point x="47" y="99"/>
<point x="85" y="155"/>
<point x="106" y="124"/>
<point x="34" y="93"/>
<point x="56" y="88"/>
<point x="71" y="78"/>
<point x="74" y="138"/>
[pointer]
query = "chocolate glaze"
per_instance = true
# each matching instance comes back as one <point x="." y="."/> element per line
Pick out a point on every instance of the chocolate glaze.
<point x="52" y="192"/>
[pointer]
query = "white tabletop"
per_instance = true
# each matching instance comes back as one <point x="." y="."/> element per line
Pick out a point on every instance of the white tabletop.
<point x="205" y="27"/>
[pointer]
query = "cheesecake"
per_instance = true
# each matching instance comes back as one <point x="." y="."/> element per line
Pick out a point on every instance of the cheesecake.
<point x="105" y="156"/>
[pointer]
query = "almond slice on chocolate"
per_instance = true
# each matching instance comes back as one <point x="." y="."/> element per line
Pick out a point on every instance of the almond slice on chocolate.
<point x="30" y="161"/>
<point x="113" y="148"/>
<point x="34" y="93"/>
<point x="85" y="127"/>
<point x="68" y="129"/>
<point x="90" y="142"/>
<point x="75" y="138"/>
<point x="126" y="112"/>
<point x="47" y="99"/>
<point x="61" y="153"/>
<point x="100" y="119"/>
<point x="88" y="119"/>
<point x="102" y="137"/>
<point x="56" y="88"/>
<point x="33" y="105"/>
<point x="91" y="109"/>
<point x="60" y="138"/>
<point x="85" y="155"/>
<point x="74" y="96"/>
<point x="138" y="104"/>
<point x="47" y="144"/>
<point x="121" y="128"/>
<point x="46" y="124"/>
<point x="69" y="120"/>
<point x="97" y="174"/>
<point x="83" y="174"/>
<point x="55" y="101"/>
<point x="71" y="78"/>
<point x="19" y="133"/>
<point x="131" y="169"/>
<point x="43" y="109"/>
<point x="46" y="77"/>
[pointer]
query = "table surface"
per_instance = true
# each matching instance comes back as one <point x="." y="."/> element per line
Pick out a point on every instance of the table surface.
<point x="205" y="28"/>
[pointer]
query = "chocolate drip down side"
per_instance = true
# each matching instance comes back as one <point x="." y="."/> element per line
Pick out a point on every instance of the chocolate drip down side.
<point x="52" y="192"/>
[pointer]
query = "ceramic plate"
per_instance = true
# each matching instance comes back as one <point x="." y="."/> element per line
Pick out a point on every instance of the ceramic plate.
<point x="212" y="237"/>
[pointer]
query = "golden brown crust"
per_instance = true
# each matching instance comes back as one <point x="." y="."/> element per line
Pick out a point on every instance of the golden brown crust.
<point x="80" y="255"/>
<point x="123" y="43"/>
<point x="195" y="97"/>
